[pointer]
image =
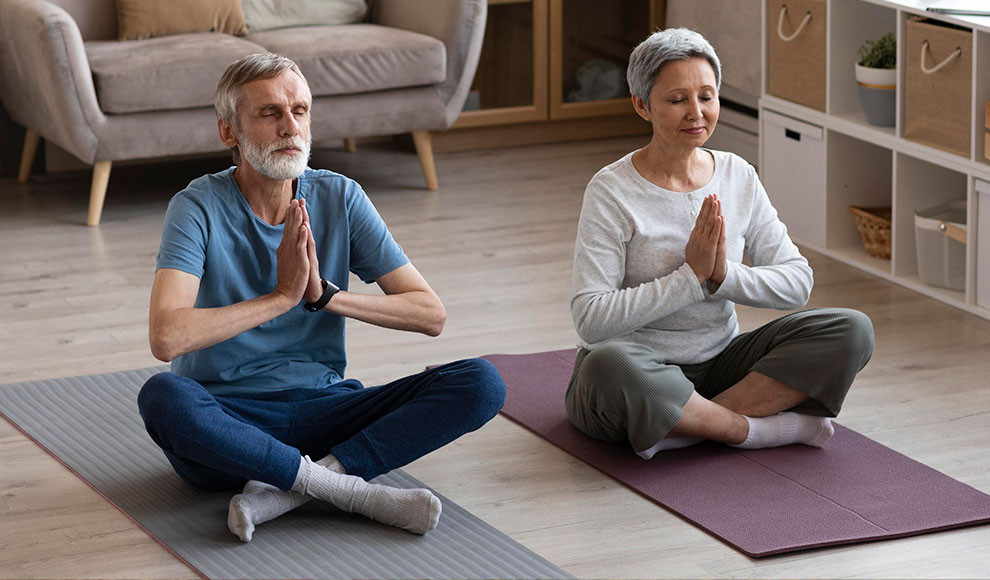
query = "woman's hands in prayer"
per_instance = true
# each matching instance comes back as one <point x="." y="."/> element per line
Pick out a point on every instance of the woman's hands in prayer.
<point x="718" y="273"/>
<point x="705" y="250"/>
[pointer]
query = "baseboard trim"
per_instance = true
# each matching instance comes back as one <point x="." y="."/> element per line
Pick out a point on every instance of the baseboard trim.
<point x="539" y="132"/>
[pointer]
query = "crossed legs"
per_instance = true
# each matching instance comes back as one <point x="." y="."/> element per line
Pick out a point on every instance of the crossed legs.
<point x="804" y="362"/>
<point x="263" y="440"/>
<point x="722" y="418"/>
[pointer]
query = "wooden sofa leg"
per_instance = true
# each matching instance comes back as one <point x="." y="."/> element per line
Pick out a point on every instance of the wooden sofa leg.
<point x="98" y="191"/>
<point x="350" y="144"/>
<point x="424" y="148"/>
<point x="31" y="140"/>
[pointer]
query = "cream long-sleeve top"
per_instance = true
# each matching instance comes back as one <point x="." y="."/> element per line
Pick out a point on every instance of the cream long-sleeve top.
<point x="630" y="278"/>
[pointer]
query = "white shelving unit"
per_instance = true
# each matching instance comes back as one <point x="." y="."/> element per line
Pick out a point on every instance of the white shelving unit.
<point x="860" y="164"/>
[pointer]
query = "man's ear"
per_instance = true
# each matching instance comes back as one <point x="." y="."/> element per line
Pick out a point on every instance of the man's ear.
<point x="227" y="134"/>
<point x="641" y="109"/>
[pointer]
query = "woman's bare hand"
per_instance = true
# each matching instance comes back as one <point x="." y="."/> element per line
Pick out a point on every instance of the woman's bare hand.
<point x="721" y="267"/>
<point x="701" y="251"/>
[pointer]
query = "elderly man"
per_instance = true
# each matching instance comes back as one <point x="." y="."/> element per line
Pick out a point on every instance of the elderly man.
<point x="249" y="300"/>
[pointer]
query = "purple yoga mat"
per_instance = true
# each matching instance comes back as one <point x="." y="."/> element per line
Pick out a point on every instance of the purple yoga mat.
<point x="762" y="502"/>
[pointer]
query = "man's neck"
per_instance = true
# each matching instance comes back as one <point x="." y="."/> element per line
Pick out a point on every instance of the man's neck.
<point x="269" y="198"/>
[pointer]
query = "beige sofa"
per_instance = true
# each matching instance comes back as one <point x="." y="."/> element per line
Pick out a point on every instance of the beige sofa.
<point x="65" y="78"/>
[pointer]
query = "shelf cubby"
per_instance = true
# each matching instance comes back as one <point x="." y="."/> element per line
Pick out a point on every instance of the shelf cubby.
<point x="860" y="174"/>
<point x="852" y="24"/>
<point x="921" y="185"/>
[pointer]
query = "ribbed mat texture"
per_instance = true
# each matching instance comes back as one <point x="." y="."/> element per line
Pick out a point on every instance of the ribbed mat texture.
<point x="92" y="425"/>
<point x="761" y="502"/>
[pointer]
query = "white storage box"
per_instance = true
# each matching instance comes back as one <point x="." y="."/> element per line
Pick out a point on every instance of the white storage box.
<point x="940" y="234"/>
<point x="983" y="244"/>
<point x="793" y="173"/>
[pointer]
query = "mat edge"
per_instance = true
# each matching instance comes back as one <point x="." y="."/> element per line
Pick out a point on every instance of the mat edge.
<point x="113" y="504"/>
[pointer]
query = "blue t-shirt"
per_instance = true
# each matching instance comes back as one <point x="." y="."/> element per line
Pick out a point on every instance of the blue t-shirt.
<point x="211" y="232"/>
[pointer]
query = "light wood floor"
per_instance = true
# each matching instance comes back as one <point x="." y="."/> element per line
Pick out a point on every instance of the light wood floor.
<point x="496" y="243"/>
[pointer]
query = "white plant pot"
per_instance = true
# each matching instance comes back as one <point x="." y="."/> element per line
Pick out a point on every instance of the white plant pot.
<point x="877" y="94"/>
<point x="876" y="77"/>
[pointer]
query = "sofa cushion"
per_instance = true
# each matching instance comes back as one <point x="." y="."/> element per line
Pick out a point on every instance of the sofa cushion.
<point x="269" y="14"/>
<point x="171" y="72"/>
<point x="138" y="19"/>
<point x="358" y="58"/>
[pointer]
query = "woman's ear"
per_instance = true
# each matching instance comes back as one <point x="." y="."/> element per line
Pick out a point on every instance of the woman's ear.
<point x="641" y="108"/>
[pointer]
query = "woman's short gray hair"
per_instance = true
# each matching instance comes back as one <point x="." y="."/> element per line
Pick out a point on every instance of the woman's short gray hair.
<point x="249" y="68"/>
<point x="660" y="48"/>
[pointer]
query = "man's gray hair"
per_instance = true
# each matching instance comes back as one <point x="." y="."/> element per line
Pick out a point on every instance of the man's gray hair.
<point x="660" y="48"/>
<point x="250" y="68"/>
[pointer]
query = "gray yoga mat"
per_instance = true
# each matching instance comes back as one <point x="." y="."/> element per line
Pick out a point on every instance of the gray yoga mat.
<point x="91" y="425"/>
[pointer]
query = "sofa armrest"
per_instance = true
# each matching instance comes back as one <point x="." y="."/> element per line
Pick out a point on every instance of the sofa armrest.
<point x="459" y="24"/>
<point x="45" y="81"/>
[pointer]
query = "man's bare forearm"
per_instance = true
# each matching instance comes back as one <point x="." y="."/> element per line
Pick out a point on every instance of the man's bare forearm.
<point x="179" y="331"/>
<point x="415" y="311"/>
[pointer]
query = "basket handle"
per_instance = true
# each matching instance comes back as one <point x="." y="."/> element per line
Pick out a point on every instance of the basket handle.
<point x="800" y="28"/>
<point x="926" y="49"/>
<point x="955" y="232"/>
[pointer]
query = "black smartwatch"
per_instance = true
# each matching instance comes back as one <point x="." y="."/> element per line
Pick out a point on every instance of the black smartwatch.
<point x="329" y="289"/>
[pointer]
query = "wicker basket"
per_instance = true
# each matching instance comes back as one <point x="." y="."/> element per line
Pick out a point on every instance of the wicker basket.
<point x="873" y="224"/>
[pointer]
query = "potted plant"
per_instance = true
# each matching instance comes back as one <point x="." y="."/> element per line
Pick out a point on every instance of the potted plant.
<point x="876" y="77"/>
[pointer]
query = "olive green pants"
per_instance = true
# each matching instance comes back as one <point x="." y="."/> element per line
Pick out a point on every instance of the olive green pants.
<point x="624" y="390"/>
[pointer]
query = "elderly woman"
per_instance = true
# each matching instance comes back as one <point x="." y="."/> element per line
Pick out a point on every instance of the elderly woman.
<point x="658" y="269"/>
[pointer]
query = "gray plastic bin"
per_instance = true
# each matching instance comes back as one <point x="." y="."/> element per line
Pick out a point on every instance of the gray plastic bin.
<point x="940" y="235"/>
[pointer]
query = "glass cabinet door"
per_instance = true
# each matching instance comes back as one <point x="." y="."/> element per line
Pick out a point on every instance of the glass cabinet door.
<point x="510" y="85"/>
<point x="590" y="43"/>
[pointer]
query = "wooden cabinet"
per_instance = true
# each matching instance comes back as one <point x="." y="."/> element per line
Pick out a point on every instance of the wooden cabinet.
<point x="856" y="163"/>
<point x="552" y="60"/>
<point x="511" y="83"/>
<point x="595" y="35"/>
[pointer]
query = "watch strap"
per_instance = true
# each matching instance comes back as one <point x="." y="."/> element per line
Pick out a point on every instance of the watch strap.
<point x="329" y="289"/>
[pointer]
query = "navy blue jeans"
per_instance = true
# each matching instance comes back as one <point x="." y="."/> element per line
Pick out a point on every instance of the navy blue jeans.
<point x="221" y="442"/>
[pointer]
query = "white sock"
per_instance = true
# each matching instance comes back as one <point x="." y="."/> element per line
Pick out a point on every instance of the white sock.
<point x="669" y="443"/>
<point x="786" y="429"/>
<point x="260" y="503"/>
<point x="413" y="510"/>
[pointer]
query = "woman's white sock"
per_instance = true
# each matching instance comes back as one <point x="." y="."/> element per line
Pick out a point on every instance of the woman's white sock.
<point x="786" y="429"/>
<point x="669" y="443"/>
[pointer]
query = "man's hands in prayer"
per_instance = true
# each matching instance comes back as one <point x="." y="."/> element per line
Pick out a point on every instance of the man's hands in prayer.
<point x="293" y="269"/>
<point x="705" y="250"/>
<point x="408" y="304"/>
<point x="177" y="326"/>
<point x="314" y="289"/>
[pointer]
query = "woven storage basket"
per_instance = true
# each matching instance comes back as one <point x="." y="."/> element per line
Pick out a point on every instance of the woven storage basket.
<point x="939" y="84"/>
<point x="873" y="224"/>
<point x="796" y="45"/>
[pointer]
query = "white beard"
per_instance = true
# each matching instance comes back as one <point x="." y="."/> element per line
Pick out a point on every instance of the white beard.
<point x="270" y="164"/>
